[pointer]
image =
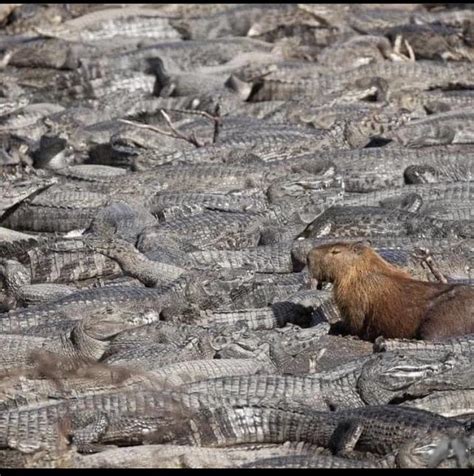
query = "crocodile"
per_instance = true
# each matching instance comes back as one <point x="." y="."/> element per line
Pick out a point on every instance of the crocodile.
<point x="347" y="221"/>
<point x="16" y="192"/>
<point x="56" y="210"/>
<point x="460" y="344"/>
<point x="326" y="391"/>
<point x="446" y="403"/>
<point x="399" y="376"/>
<point x="235" y="22"/>
<point x="203" y="289"/>
<point x="50" y="53"/>
<point x="367" y="170"/>
<point x="129" y="22"/>
<point x="250" y="150"/>
<point x="85" y="343"/>
<point x="221" y="230"/>
<point x="14" y="243"/>
<point x="452" y="127"/>
<point x="163" y="204"/>
<point x="433" y="101"/>
<point x="443" y="192"/>
<point x="411" y="455"/>
<point x="319" y="461"/>
<point x="52" y="416"/>
<point x="185" y="456"/>
<point x="178" y="55"/>
<point x="22" y="292"/>
<point x="82" y="302"/>
<point x="420" y="74"/>
<point x="276" y="315"/>
<point x="90" y="378"/>
<point x="378" y="429"/>
<point x="68" y="260"/>
<point x="135" y="264"/>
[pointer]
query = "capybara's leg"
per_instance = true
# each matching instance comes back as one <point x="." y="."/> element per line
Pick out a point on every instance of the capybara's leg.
<point x="452" y="314"/>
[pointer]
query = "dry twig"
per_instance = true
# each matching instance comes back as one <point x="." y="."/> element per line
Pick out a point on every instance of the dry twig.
<point x="175" y="134"/>
<point x="215" y="118"/>
<point x="191" y="139"/>
<point x="426" y="258"/>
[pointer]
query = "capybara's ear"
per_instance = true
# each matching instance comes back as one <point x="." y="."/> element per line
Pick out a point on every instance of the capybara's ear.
<point x="360" y="246"/>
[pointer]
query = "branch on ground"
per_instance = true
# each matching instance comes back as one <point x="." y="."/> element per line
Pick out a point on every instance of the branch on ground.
<point x="215" y="118"/>
<point x="175" y="133"/>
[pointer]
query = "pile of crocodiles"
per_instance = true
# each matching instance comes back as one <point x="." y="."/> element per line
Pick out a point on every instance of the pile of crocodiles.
<point x="164" y="172"/>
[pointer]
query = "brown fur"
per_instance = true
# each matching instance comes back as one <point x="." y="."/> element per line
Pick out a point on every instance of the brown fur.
<point x="378" y="299"/>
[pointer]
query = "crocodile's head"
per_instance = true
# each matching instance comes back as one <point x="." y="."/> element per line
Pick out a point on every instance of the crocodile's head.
<point x="213" y="288"/>
<point x="444" y="449"/>
<point x="13" y="273"/>
<point x="124" y="144"/>
<point x="415" y="174"/>
<point x="393" y="375"/>
<point x="301" y="183"/>
<point x="53" y="152"/>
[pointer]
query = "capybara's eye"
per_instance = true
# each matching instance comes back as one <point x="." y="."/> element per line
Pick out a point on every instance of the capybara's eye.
<point x="335" y="251"/>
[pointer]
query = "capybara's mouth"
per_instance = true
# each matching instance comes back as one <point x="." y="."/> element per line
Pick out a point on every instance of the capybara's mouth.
<point x="316" y="283"/>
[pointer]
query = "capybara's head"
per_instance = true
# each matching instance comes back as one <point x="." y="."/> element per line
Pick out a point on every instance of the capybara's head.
<point x="328" y="263"/>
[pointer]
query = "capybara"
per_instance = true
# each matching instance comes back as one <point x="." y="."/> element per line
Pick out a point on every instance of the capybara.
<point x="377" y="298"/>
